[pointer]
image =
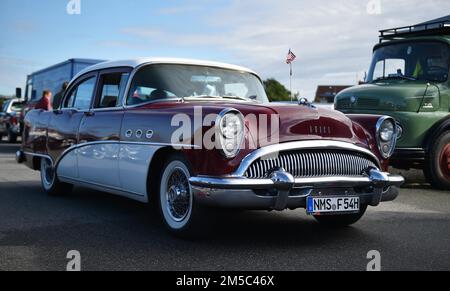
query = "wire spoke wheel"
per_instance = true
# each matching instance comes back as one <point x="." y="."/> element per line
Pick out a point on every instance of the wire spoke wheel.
<point x="178" y="195"/>
<point x="175" y="195"/>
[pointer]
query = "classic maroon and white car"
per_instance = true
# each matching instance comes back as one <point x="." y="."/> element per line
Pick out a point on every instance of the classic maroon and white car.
<point x="193" y="135"/>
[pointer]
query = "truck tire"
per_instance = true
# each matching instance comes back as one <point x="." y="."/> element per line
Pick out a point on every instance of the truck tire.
<point x="179" y="212"/>
<point x="437" y="164"/>
<point x="341" y="220"/>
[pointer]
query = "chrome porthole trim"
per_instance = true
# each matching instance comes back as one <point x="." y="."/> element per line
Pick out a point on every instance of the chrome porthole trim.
<point x="149" y="134"/>
<point x="128" y="133"/>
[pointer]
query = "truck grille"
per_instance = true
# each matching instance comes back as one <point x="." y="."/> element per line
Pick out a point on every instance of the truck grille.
<point x="315" y="163"/>
<point x="367" y="103"/>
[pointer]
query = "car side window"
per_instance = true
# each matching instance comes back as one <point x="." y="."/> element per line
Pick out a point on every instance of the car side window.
<point x="112" y="89"/>
<point x="81" y="96"/>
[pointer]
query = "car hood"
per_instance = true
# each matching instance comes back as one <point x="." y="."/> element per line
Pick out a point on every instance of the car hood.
<point x="386" y="96"/>
<point x="285" y="122"/>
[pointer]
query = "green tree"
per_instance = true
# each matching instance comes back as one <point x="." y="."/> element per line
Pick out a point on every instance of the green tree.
<point x="276" y="91"/>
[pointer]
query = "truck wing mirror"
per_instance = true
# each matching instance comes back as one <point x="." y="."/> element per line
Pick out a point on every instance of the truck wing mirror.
<point x="19" y="93"/>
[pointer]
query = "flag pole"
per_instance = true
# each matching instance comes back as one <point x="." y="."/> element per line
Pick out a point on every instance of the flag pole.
<point x="290" y="81"/>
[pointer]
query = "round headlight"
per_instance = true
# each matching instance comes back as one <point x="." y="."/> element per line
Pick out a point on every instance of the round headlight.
<point x="386" y="136"/>
<point x="230" y="127"/>
<point x="387" y="130"/>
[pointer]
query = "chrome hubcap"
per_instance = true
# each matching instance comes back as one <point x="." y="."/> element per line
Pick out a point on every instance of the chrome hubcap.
<point x="445" y="161"/>
<point x="49" y="174"/>
<point x="178" y="195"/>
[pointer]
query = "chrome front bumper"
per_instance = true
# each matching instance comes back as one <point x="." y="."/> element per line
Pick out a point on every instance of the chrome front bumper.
<point x="284" y="191"/>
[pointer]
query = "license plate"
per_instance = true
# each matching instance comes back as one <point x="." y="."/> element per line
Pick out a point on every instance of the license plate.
<point x="328" y="205"/>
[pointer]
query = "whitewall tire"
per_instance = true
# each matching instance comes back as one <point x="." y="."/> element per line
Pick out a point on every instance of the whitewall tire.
<point x="176" y="201"/>
<point x="49" y="180"/>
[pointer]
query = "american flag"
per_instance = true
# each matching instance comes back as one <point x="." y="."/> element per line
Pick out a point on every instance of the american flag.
<point x="290" y="57"/>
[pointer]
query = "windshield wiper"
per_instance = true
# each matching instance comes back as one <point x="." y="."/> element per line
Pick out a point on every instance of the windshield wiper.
<point x="235" y="97"/>
<point x="218" y="97"/>
<point x="201" y="96"/>
<point x="394" y="77"/>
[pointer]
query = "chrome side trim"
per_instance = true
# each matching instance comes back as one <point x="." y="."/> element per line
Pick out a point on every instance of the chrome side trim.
<point x="40" y="156"/>
<point x="300" y="145"/>
<point x="81" y="145"/>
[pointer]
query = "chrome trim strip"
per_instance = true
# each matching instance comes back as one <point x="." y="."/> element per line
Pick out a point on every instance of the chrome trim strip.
<point x="300" y="145"/>
<point x="81" y="145"/>
<point x="40" y="156"/>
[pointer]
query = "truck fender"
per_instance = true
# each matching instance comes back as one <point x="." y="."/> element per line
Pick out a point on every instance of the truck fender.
<point x="435" y="131"/>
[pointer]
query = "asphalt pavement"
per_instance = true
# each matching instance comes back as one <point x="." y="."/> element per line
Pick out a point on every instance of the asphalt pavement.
<point x="113" y="233"/>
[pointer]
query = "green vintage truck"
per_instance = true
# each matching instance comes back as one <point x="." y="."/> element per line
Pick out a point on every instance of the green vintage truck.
<point x="409" y="80"/>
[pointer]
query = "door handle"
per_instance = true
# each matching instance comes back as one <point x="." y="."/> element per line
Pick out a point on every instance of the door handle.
<point x="89" y="113"/>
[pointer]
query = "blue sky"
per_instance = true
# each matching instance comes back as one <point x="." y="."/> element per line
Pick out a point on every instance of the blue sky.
<point x="332" y="38"/>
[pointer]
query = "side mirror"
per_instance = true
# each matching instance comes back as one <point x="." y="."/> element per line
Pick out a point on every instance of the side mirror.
<point x="19" y="93"/>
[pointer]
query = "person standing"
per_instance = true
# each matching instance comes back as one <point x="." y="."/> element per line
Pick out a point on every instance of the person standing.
<point x="57" y="99"/>
<point x="46" y="101"/>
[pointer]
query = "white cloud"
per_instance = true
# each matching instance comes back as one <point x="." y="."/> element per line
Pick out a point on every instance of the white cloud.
<point x="333" y="39"/>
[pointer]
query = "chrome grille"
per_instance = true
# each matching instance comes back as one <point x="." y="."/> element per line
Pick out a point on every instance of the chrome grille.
<point x="307" y="164"/>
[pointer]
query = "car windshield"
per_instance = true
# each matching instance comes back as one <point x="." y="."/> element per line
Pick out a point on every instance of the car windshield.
<point x="16" y="106"/>
<point x="423" y="61"/>
<point x="163" y="81"/>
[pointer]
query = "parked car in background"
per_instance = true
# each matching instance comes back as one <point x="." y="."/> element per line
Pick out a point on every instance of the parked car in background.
<point x="409" y="80"/>
<point x="10" y="115"/>
<point x="122" y="129"/>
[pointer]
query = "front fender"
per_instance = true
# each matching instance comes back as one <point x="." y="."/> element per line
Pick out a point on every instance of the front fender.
<point x="368" y="123"/>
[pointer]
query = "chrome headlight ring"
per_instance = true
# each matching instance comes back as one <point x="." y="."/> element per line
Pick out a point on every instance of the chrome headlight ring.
<point x="386" y="136"/>
<point x="230" y="129"/>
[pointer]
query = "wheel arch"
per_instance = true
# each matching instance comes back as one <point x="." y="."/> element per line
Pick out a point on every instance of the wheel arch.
<point x="440" y="127"/>
<point x="155" y="168"/>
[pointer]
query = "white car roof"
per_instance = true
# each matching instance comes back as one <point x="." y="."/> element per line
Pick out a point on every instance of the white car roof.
<point x="134" y="63"/>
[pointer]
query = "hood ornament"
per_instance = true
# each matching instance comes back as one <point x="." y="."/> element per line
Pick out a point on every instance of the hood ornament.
<point x="304" y="102"/>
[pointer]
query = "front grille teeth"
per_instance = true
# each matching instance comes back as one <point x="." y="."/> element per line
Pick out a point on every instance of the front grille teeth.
<point x="307" y="164"/>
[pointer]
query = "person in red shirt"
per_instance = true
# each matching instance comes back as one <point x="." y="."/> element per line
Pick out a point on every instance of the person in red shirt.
<point x="46" y="101"/>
